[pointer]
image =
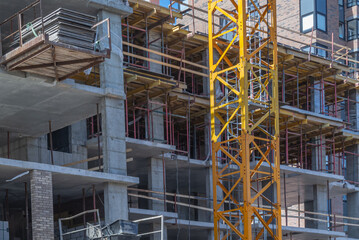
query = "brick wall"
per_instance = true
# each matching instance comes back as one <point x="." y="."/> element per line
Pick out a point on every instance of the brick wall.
<point x="41" y="205"/>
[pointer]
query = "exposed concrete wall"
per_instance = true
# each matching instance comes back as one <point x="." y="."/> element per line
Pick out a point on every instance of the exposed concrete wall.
<point x="36" y="149"/>
<point x="42" y="214"/>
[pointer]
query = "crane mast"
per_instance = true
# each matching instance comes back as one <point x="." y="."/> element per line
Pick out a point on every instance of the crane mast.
<point x="244" y="119"/>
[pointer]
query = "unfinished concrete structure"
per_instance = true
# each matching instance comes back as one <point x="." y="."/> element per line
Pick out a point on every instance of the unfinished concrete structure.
<point x="130" y="136"/>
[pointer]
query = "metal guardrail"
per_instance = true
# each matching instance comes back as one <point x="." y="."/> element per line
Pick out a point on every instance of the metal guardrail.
<point x="152" y="232"/>
<point x="96" y="211"/>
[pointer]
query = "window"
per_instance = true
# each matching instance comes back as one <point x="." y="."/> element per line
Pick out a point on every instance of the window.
<point x="341" y="20"/>
<point x="223" y="21"/>
<point x="313" y="14"/>
<point x="351" y="3"/>
<point x="60" y="140"/>
<point x="352" y="29"/>
<point x="317" y="49"/>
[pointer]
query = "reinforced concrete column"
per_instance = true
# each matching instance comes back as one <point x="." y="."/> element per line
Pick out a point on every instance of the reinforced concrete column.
<point x="317" y="102"/>
<point x="209" y="190"/>
<point x="113" y="115"/>
<point x="354" y="108"/>
<point x="42" y="213"/>
<point x="156" y="117"/>
<point x="353" y="198"/>
<point x="319" y="204"/>
<point x="207" y="118"/>
<point x="156" y="179"/>
<point x="353" y="211"/>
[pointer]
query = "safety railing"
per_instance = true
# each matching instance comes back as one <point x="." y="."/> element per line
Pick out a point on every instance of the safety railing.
<point x="290" y="215"/>
<point x="151" y="219"/>
<point x="94" y="228"/>
<point x="15" y="23"/>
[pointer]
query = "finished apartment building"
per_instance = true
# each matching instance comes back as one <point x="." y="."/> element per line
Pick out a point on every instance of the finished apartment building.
<point x="109" y="111"/>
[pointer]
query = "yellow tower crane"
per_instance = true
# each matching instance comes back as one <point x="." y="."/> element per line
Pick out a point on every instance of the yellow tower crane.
<point x="244" y="119"/>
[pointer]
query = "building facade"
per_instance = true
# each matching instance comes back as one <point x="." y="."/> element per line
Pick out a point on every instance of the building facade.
<point x="130" y="135"/>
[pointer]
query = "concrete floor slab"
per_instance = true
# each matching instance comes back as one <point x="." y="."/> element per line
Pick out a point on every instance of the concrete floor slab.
<point x="342" y="188"/>
<point x="309" y="233"/>
<point x="67" y="182"/>
<point x="137" y="148"/>
<point x="145" y="149"/>
<point x="28" y="103"/>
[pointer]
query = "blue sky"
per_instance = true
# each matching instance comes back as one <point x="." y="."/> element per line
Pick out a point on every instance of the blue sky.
<point x="165" y="3"/>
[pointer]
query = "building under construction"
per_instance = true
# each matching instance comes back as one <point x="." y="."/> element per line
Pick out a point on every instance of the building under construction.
<point x="108" y="128"/>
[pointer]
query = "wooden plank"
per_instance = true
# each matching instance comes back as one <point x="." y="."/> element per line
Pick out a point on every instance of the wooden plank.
<point x="165" y="55"/>
<point x="160" y="9"/>
<point x="28" y="46"/>
<point x="143" y="88"/>
<point x="166" y="64"/>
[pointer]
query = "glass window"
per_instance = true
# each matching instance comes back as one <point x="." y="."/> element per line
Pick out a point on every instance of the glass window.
<point x="352" y="29"/>
<point x="307" y="23"/>
<point x="321" y="52"/>
<point x="351" y="3"/>
<point x="317" y="49"/>
<point x="322" y="6"/>
<point x="306" y="6"/>
<point x="341" y="19"/>
<point x="313" y="17"/>
<point x="321" y="22"/>
<point x="341" y="13"/>
<point x="223" y="22"/>
<point x="342" y="30"/>
<point x="306" y="49"/>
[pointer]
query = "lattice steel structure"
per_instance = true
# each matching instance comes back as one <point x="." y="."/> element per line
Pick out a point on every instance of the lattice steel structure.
<point x="244" y="118"/>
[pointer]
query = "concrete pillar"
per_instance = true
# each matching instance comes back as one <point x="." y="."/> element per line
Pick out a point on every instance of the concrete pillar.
<point x="113" y="115"/>
<point x="42" y="213"/>
<point x="353" y="211"/>
<point x="318" y="153"/>
<point x="155" y="183"/>
<point x="354" y="109"/>
<point x="319" y="204"/>
<point x="316" y="95"/>
<point x="352" y="168"/>
<point x="207" y="119"/>
<point x="157" y="131"/>
<point x="209" y="190"/>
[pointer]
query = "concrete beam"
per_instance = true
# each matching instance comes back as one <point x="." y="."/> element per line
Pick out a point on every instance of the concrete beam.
<point x="117" y="7"/>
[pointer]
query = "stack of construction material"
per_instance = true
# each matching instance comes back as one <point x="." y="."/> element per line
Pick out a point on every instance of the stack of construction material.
<point x="63" y="26"/>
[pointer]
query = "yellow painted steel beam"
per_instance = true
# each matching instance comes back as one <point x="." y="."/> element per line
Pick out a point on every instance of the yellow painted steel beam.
<point x="245" y="150"/>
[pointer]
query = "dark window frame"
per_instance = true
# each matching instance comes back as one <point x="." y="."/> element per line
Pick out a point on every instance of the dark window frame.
<point x="315" y="14"/>
<point x="342" y="21"/>
<point x="352" y="3"/>
<point x="61" y="140"/>
<point x="315" y="50"/>
<point x="350" y="38"/>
